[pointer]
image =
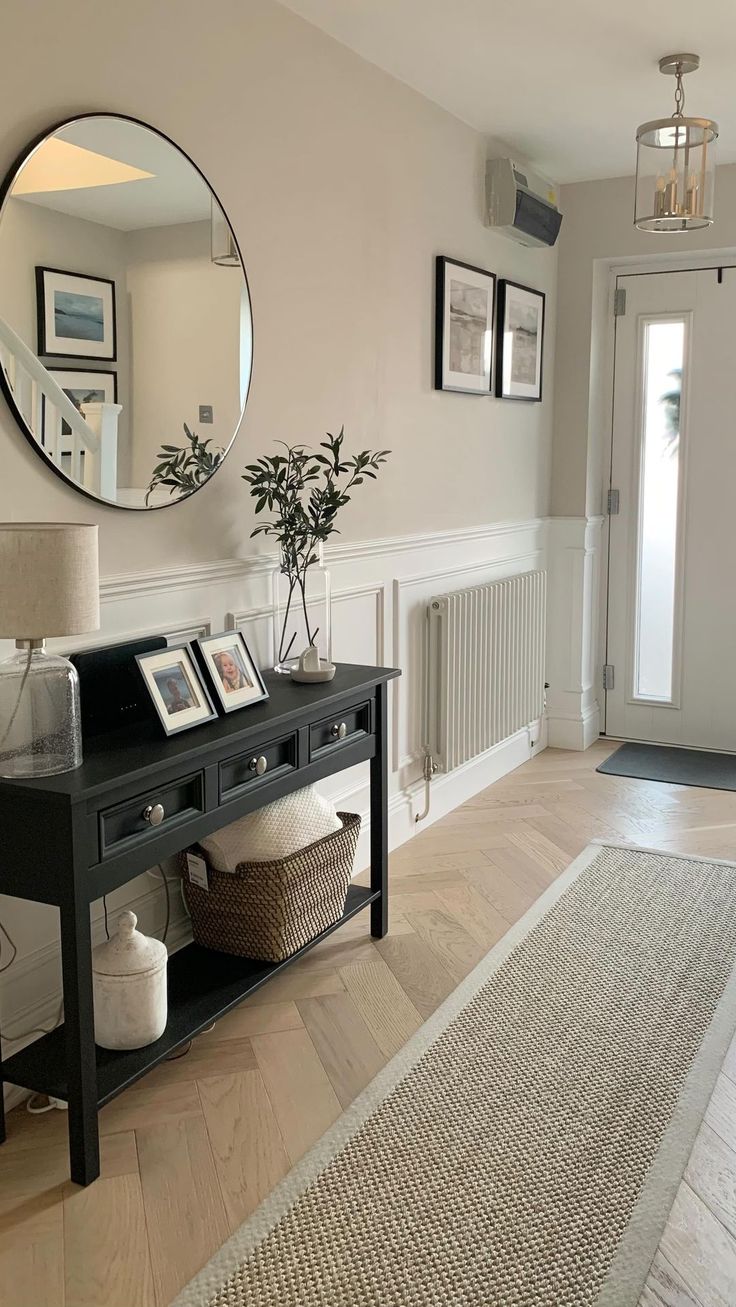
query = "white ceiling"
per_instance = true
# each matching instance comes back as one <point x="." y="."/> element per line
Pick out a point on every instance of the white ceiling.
<point x="175" y="193"/>
<point x="563" y="84"/>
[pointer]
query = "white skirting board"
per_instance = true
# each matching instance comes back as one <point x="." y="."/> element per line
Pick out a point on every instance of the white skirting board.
<point x="380" y="592"/>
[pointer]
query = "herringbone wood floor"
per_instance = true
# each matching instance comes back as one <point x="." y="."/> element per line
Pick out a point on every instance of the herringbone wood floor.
<point x="192" y="1149"/>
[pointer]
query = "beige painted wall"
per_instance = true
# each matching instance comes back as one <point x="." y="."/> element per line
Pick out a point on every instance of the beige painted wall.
<point x="184" y="340"/>
<point x="342" y="184"/>
<point x="598" y="227"/>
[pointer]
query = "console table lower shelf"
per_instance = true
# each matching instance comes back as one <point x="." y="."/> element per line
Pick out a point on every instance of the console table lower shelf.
<point x="202" y="986"/>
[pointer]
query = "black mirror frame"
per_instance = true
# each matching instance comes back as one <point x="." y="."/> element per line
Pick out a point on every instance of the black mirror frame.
<point x="5" y="188"/>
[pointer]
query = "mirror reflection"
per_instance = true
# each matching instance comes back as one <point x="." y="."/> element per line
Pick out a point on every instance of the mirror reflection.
<point x="125" y="326"/>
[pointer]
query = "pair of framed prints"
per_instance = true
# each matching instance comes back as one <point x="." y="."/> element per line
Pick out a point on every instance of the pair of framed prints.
<point x="465" y="321"/>
<point x="177" y="680"/>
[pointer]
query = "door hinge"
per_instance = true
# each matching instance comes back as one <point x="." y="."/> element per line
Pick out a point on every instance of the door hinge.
<point x="608" y="677"/>
<point x="614" y="502"/>
<point x="619" y="303"/>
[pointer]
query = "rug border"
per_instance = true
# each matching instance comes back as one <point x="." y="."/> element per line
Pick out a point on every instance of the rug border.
<point x="639" y="1241"/>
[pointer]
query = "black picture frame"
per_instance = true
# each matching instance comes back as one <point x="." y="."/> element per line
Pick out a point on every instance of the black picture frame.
<point x="176" y="663"/>
<point x="48" y="345"/>
<point x="232" y="644"/>
<point x="476" y="279"/>
<point x="58" y="373"/>
<point x="506" y="386"/>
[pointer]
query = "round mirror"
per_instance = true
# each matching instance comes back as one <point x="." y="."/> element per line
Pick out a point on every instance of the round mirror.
<point x="125" y="324"/>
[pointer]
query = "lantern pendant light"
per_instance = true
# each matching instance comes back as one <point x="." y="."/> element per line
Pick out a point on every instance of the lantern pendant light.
<point x="675" y="162"/>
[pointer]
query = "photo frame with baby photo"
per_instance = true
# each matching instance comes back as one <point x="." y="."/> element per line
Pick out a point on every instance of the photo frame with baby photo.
<point x="231" y="670"/>
<point x="177" y="690"/>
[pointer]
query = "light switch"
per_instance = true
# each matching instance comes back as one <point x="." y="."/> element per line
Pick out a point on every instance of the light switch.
<point x="205" y="413"/>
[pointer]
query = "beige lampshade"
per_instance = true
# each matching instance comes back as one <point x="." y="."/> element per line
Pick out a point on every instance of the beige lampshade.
<point x="49" y="579"/>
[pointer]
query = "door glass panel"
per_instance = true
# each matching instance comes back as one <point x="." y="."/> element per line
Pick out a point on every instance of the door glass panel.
<point x="656" y="590"/>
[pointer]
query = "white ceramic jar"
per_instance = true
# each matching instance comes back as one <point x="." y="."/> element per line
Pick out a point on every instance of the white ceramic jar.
<point x="129" y="985"/>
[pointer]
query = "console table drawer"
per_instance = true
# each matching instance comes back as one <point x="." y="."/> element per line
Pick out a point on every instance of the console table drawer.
<point x="259" y="764"/>
<point x="339" y="730"/>
<point x="150" y="814"/>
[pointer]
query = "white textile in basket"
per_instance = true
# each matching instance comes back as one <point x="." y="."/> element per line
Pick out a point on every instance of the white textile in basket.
<point x="276" y="831"/>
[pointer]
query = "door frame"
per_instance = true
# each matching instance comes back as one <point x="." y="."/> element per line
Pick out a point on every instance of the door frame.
<point x="605" y="279"/>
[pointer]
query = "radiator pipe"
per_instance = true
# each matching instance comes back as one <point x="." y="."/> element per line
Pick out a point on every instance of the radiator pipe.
<point x="429" y="769"/>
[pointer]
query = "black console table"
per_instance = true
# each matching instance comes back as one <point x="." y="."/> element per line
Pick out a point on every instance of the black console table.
<point x="69" y="839"/>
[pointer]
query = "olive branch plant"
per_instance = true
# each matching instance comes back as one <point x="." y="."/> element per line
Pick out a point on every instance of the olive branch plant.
<point x="183" y="467"/>
<point x="305" y="489"/>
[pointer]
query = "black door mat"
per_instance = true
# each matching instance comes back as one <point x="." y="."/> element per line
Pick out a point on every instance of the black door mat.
<point x="658" y="762"/>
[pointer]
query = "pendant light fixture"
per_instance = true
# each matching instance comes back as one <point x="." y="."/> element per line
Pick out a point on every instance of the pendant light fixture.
<point x="675" y="162"/>
<point x="224" y="251"/>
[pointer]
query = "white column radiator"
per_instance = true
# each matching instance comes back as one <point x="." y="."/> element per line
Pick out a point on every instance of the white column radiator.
<point x="486" y="665"/>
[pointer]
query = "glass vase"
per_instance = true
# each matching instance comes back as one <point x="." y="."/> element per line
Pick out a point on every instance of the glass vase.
<point x="301" y="611"/>
<point x="40" y="725"/>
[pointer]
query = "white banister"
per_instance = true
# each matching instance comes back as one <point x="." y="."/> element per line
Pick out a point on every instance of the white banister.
<point x="32" y="370"/>
<point x="103" y="421"/>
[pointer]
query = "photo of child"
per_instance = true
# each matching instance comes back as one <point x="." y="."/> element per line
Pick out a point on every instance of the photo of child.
<point x="231" y="670"/>
<point x="175" y="689"/>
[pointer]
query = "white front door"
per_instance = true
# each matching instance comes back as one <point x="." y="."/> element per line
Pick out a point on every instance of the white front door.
<point x="671" y="637"/>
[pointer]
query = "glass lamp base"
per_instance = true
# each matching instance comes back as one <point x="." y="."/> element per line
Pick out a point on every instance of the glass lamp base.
<point x="40" y="724"/>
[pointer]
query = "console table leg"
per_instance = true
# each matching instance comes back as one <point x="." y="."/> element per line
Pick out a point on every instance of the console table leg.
<point x="2" y="1102"/>
<point x="81" y="1065"/>
<point x="379" y="816"/>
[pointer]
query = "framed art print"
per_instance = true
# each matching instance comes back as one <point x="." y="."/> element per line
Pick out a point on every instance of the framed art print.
<point x="464" y="307"/>
<point x="176" y="688"/>
<point x="520" y="342"/>
<point x="235" y="679"/>
<point x="76" y="315"/>
<point x="82" y="388"/>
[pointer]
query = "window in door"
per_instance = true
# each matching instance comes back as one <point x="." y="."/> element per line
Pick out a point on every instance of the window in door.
<point x="661" y="407"/>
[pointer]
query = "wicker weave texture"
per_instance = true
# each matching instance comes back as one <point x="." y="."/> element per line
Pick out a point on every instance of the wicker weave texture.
<point x="269" y="910"/>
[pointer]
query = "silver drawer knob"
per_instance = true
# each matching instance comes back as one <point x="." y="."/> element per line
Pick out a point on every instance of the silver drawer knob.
<point x="154" y="814"/>
<point x="258" y="765"/>
<point x="339" y="730"/>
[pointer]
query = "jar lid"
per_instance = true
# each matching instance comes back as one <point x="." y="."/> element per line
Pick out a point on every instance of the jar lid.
<point x="128" y="952"/>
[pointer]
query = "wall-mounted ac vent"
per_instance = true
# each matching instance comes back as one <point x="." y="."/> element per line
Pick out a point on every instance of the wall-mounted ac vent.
<point x="521" y="203"/>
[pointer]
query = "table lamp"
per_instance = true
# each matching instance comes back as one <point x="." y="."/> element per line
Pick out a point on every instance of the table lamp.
<point x="49" y="586"/>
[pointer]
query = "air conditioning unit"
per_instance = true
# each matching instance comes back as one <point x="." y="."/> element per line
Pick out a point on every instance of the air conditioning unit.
<point x="520" y="203"/>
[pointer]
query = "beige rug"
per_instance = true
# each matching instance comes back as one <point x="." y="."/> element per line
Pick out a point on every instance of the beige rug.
<point x="525" y="1147"/>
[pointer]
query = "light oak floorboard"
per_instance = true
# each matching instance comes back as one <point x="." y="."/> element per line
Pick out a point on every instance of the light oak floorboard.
<point x="384" y="1004"/>
<point x="101" y="1270"/>
<point x="247" y="1146"/>
<point x="185" y="1211"/>
<point x="345" y="1046"/>
<point x="303" y="1099"/>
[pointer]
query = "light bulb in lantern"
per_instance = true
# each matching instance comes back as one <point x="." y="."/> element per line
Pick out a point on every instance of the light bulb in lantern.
<point x="692" y="203"/>
<point x="659" y="204"/>
<point x="670" y="193"/>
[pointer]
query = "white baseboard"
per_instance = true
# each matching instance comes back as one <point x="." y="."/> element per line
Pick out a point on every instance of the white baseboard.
<point x="576" y="731"/>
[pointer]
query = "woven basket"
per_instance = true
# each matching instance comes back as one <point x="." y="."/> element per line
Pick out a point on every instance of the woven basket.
<point x="269" y="910"/>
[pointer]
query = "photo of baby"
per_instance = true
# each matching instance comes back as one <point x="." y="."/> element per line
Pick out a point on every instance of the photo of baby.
<point x="231" y="670"/>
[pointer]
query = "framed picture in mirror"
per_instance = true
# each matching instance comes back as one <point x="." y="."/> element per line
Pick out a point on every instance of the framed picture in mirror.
<point x="76" y="315"/>
<point x="231" y="670"/>
<point x="82" y="388"/>
<point x="177" y="690"/>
